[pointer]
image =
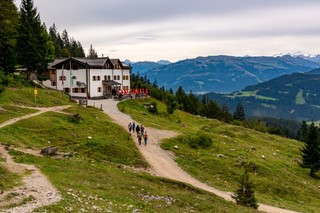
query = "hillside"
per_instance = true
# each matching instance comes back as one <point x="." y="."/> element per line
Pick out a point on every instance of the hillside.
<point x="293" y="96"/>
<point x="273" y="161"/>
<point x="225" y="74"/>
<point x="104" y="173"/>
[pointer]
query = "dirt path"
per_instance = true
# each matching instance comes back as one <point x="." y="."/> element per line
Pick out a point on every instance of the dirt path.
<point x="161" y="162"/>
<point x="36" y="188"/>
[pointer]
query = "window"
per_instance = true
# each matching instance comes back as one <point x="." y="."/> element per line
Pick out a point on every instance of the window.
<point x="75" y="90"/>
<point x="98" y="78"/>
<point x="67" y="90"/>
<point x="118" y="77"/>
<point x="83" y="90"/>
<point x="99" y="89"/>
<point x="53" y="83"/>
<point x="114" y="77"/>
<point x="109" y="77"/>
<point x="64" y="78"/>
<point x="93" y="78"/>
<point x="105" y="77"/>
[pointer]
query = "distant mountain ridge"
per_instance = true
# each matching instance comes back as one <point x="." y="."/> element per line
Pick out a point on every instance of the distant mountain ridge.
<point x="292" y="96"/>
<point x="225" y="74"/>
<point x="142" y="67"/>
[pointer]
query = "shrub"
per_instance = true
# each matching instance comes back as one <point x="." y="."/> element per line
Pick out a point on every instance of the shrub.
<point x="75" y="118"/>
<point x="202" y="140"/>
<point x="153" y="108"/>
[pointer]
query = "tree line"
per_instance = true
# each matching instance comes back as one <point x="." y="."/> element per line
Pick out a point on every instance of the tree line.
<point x="25" y="41"/>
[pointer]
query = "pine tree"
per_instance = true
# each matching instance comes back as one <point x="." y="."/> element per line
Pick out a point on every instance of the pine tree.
<point x="33" y="43"/>
<point x="171" y="104"/>
<point x="303" y="132"/>
<point x="311" y="150"/>
<point x="244" y="195"/>
<point x="92" y="52"/>
<point x="8" y="29"/>
<point x="239" y="113"/>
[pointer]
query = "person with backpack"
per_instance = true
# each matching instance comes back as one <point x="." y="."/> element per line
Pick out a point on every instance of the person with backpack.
<point x="139" y="138"/>
<point x="142" y="129"/>
<point x="138" y="129"/>
<point x="129" y="127"/>
<point x="145" y="136"/>
<point x="133" y="126"/>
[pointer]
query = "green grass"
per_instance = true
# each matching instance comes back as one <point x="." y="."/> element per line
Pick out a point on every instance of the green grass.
<point x="251" y="94"/>
<point x="8" y="179"/>
<point x="102" y="176"/>
<point x="8" y="112"/>
<point x="93" y="186"/>
<point x="278" y="179"/>
<point x="299" y="98"/>
<point x="24" y="96"/>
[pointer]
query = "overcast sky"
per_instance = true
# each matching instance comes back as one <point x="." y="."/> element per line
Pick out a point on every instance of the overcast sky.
<point x="141" y="30"/>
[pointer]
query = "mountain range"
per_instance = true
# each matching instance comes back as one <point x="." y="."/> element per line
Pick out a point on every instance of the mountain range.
<point x="222" y="74"/>
<point x="292" y="96"/>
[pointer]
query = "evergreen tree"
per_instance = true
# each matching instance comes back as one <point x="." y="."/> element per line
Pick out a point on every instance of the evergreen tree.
<point x="311" y="150"/>
<point x="192" y="104"/>
<point x="92" y="52"/>
<point x="33" y="45"/>
<point x="244" y="195"/>
<point x="303" y="132"/>
<point x="239" y="113"/>
<point x="171" y="104"/>
<point x="8" y="29"/>
<point x="181" y="98"/>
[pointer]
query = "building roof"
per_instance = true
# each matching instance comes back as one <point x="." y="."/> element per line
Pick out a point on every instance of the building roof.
<point x="90" y="62"/>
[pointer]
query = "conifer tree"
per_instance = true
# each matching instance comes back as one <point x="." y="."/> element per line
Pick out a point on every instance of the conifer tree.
<point x="8" y="29"/>
<point x="34" y="48"/>
<point x="92" y="52"/>
<point x="244" y="195"/>
<point x="239" y="113"/>
<point x="311" y="150"/>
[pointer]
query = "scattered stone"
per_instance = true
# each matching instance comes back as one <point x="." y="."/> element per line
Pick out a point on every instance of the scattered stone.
<point x="89" y="137"/>
<point x="176" y="147"/>
<point x="49" y="151"/>
<point x="263" y="157"/>
<point x="136" y="211"/>
<point x="221" y="156"/>
<point x="68" y="154"/>
<point x="274" y="154"/>
<point x="253" y="148"/>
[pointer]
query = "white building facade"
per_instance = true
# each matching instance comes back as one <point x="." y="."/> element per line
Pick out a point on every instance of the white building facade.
<point x="89" y="78"/>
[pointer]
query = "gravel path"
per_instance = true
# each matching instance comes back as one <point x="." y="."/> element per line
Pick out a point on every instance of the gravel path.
<point x="36" y="186"/>
<point x="162" y="162"/>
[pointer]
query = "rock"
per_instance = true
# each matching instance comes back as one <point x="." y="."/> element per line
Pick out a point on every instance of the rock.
<point x="253" y="148"/>
<point x="221" y="155"/>
<point x="274" y="154"/>
<point x="89" y="137"/>
<point x="68" y="154"/>
<point x="49" y="151"/>
<point x="176" y="147"/>
<point x="263" y="157"/>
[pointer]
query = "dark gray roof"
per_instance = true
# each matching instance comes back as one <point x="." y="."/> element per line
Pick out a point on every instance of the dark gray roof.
<point x="90" y="62"/>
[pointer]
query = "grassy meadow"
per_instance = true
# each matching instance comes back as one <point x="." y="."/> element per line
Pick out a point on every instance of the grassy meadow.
<point x="273" y="161"/>
<point x="106" y="172"/>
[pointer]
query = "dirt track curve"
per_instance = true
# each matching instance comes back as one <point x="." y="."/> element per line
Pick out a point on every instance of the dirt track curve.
<point x="161" y="162"/>
<point x="36" y="186"/>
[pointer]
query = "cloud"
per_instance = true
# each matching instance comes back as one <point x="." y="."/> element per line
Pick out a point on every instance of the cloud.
<point x="169" y="29"/>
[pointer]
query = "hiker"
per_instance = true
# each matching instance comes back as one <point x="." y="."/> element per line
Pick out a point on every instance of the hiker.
<point x="139" y="138"/>
<point x="142" y="129"/>
<point x="138" y="129"/>
<point x="133" y="126"/>
<point x="145" y="136"/>
<point x="129" y="127"/>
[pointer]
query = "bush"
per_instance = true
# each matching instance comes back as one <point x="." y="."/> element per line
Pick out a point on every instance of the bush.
<point x="75" y="118"/>
<point x="153" y="108"/>
<point x="202" y="140"/>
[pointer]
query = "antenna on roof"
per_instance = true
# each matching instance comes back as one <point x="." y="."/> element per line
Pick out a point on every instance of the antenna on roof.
<point x="102" y="55"/>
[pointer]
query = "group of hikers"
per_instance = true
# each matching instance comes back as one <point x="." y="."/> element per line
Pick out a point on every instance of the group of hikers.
<point x="132" y="127"/>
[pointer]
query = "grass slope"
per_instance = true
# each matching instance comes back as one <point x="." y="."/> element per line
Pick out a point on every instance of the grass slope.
<point x="278" y="179"/>
<point x="104" y="175"/>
